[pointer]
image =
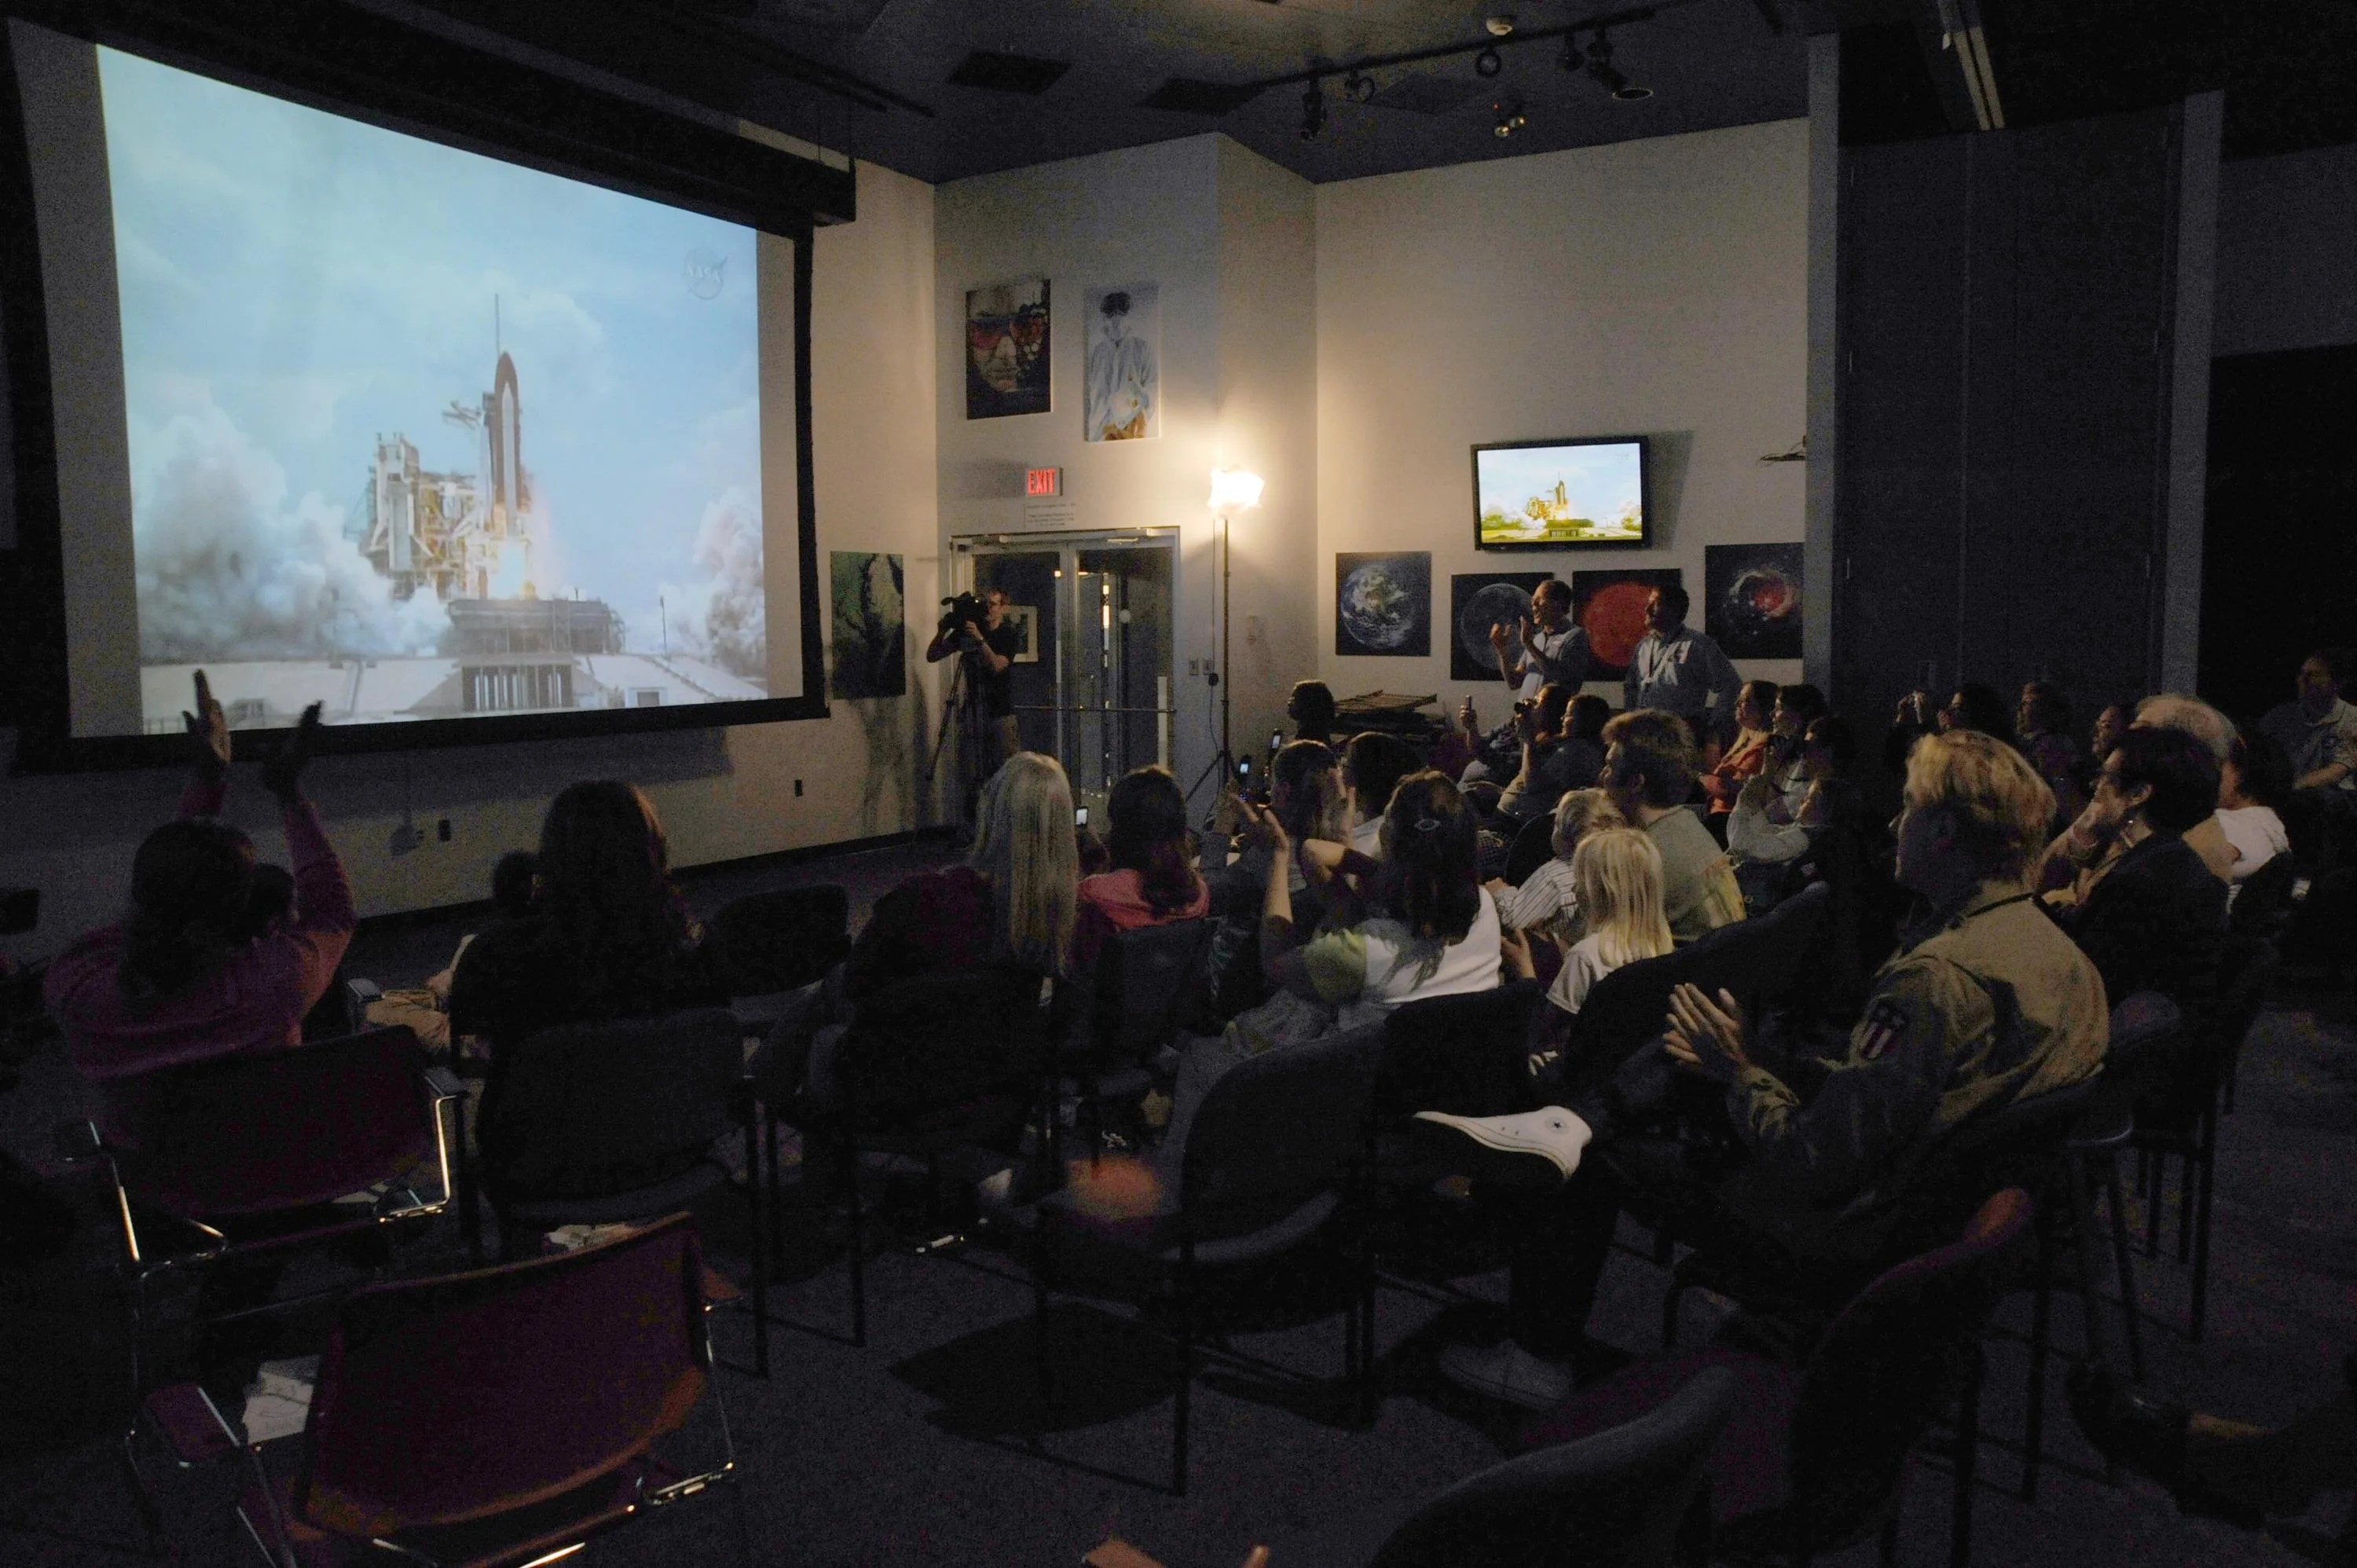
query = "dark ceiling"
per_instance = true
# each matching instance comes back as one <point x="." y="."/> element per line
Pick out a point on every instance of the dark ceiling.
<point x="944" y="89"/>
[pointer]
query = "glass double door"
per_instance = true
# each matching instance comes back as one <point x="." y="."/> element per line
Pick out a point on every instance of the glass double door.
<point x="1092" y="686"/>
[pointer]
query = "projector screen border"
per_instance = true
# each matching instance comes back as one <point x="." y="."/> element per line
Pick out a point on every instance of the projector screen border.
<point x="32" y="578"/>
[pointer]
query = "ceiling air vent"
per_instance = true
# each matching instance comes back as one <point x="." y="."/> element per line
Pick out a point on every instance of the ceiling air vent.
<point x="1183" y="95"/>
<point x="1009" y="73"/>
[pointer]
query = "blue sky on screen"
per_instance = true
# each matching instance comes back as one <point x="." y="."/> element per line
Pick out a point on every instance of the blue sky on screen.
<point x="1600" y="481"/>
<point x="294" y="283"/>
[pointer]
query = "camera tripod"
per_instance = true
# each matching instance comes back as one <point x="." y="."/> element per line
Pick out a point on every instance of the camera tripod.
<point x="961" y="711"/>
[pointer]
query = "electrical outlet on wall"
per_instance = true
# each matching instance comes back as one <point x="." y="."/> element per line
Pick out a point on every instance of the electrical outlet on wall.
<point x="442" y="830"/>
<point x="1194" y="668"/>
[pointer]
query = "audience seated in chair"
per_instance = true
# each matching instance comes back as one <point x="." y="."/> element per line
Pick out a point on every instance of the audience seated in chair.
<point x="1305" y="794"/>
<point x="1616" y="884"/>
<point x="1372" y="765"/>
<point x="1769" y="842"/>
<point x="1547" y="902"/>
<point x="2042" y="723"/>
<point x="425" y="1010"/>
<point x="2156" y="919"/>
<point x="1153" y="879"/>
<point x="2083" y="855"/>
<point x="189" y="974"/>
<point x="2253" y="790"/>
<point x="1311" y="709"/>
<point x="1649" y="772"/>
<point x="1555" y="754"/>
<point x="1986" y="1003"/>
<point x="607" y="937"/>
<point x="1434" y="933"/>
<point x="1746" y="757"/>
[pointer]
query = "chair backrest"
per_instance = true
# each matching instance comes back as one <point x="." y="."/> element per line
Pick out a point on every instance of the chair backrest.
<point x="1278" y="1128"/>
<point x="1889" y="1365"/>
<point x="1465" y="1054"/>
<point x="1145" y="978"/>
<point x="1615" y="1498"/>
<point x="443" y="1400"/>
<point x="1627" y="1007"/>
<point x="2024" y="1143"/>
<point x="942" y="1040"/>
<point x="1533" y="848"/>
<point x="2263" y="908"/>
<point x="261" y="1132"/>
<point x="2146" y="1033"/>
<point x="590" y="1108"/>
<point x="768" y="942"/>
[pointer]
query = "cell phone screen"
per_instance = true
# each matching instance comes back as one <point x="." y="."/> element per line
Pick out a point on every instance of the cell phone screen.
<point x="1276" y="740"/>
<point x="1080" y="816"/>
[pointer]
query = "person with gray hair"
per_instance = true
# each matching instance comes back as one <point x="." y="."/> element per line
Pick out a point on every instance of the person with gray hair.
<point x="2087" y="848"/>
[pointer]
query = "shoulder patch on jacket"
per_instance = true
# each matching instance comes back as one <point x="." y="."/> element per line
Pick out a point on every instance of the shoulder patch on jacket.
<point x="1884" y="1022"/>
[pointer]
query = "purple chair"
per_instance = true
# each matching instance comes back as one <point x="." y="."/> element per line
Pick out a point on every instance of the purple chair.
<point x="1816" y="1455"/>
<point x="491" y="1419"/>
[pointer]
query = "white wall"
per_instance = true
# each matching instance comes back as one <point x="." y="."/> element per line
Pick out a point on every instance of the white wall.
<point x="1228" y="237"/>
<point x="2288" y="251"/>
<point x="1655" y="287"/>
<point x="722" y="794"/>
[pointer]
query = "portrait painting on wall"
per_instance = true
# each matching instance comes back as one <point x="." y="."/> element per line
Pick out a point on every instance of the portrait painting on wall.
<point x="1122" y="364"/>
<point x="1478" y="601"/>
<point x="1383" y="604"/>
<point x="1610" y="604"/>
<point x="1751" y="599"/>
<point x="870" y="630"/>
<point x="1006" y="349"/>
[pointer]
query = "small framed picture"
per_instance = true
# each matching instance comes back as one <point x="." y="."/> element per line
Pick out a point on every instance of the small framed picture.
<point x="1025" y="620"/>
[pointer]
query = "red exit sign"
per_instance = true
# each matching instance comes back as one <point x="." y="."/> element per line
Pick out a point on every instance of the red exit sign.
<point x="1043" y="481"/>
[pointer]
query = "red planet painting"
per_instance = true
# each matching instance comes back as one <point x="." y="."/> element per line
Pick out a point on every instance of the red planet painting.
<point x="1611" y="605"/>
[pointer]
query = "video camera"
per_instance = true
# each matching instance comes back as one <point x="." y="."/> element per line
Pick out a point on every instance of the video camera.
<point x="962" y="607"/>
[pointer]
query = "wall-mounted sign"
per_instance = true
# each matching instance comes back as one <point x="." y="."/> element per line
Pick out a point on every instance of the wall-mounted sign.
<point x="1043" y="481"/>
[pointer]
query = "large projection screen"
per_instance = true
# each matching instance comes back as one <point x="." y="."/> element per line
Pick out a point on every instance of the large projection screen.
<point x="455" y="447"/>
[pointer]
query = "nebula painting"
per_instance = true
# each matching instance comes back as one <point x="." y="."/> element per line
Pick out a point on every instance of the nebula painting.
<point x="1751" y="599"/>
<point x="1610" y="604"/>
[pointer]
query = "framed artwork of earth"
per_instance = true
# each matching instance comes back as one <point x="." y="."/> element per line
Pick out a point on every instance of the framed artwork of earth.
<point x="1478" y="601"/>
<point x="1383" y="604"/>
<point x="1611" y="605"/>
<point x="1751" y="599"/>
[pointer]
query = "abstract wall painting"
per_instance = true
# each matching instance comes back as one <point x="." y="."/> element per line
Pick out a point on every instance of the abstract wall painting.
<point x="1383" y="604"/>
<point x="1478" y="601"/>
<point x="870" y="629"/>
<point x="1122" y="364"/>
<point x="1751" y="599"/>
<point x="1610" y="603"/>
<point x="1006" y="349"/>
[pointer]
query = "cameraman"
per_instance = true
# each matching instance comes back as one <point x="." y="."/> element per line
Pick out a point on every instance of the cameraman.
<point x="989" y="646"/>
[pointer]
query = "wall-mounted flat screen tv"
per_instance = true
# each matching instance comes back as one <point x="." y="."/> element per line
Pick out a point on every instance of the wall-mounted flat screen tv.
<point x="1585" y="492"/>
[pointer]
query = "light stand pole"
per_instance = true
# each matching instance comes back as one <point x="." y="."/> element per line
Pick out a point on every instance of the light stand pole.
<point x="1232" y="490"/>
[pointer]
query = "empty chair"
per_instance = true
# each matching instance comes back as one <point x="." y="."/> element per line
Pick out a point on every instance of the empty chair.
<point x="597" y="1123"/>
<point x="1616" y="1496"/>
<point x="1265" y="1170"/>
<point x="246" y="1156"/>
<point x="499" y="1417"/>
<point x="1816" y="1456"/>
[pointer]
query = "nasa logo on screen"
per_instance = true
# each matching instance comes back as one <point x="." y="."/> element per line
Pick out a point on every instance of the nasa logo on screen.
<point x="703" y="270"/>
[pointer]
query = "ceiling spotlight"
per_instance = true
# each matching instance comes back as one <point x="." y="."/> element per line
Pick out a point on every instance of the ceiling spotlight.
<point x="1628" y="93"/>
<point x="1572" y="59"/>
<point x="1313" y="112"/>
<point x="1488" y="63"/>
<point x="1500" y="26"/>
<point x="1511" y="118"/>
<point x="1359" y="87"/>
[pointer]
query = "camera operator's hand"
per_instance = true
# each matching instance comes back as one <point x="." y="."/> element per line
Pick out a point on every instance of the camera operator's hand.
<point x="281" y="775"/>
<point x="209" y="742"/>
<point x="969" y="632"/>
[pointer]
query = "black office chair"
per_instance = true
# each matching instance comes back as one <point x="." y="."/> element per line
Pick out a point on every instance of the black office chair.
<point x="1129" y="1010"/>
<point x="1271" y="1154"/>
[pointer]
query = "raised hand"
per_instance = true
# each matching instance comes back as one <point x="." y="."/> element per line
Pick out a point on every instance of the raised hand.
<point x="1468" y="718"/>
<point x="1514" y="951"/>
<point x="209" y="742"/>
<point x="1498" y="635"/>
<point x="281" y="775"/>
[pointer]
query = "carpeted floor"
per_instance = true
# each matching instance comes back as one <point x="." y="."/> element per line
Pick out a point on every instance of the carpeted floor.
<point x="919" y="1449"/>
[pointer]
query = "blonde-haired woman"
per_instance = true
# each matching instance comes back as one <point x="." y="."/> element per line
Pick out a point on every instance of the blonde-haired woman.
<point x="1013" y="903"/>
<point x="1617" y="876"/>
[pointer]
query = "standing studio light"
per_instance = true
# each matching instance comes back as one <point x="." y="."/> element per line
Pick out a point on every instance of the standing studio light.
<point x="1232" y="490"/>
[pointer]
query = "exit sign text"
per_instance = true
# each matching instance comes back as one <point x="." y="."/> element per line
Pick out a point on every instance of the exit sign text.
<point x="1043" y="481"/>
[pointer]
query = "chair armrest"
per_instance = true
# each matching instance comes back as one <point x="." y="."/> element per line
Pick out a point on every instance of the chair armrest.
<point x="77" y="1141"/>
<point x="444" y="1084"/>
<point x="362" y="990"/>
